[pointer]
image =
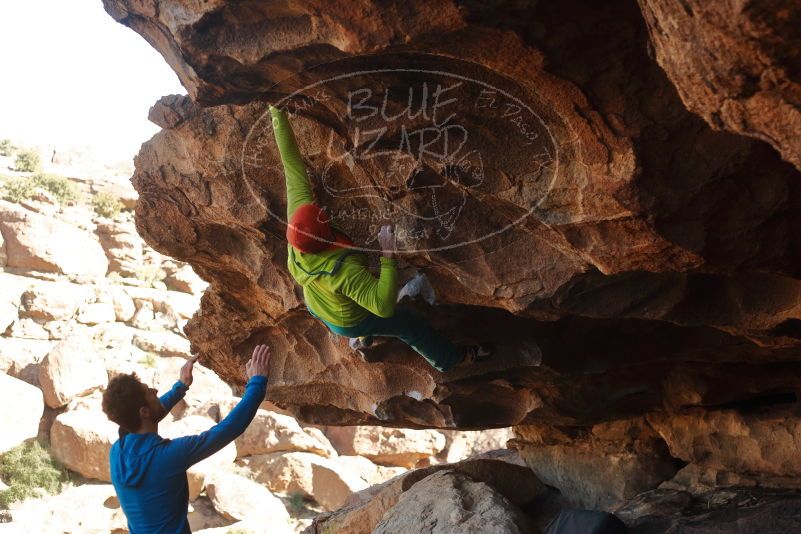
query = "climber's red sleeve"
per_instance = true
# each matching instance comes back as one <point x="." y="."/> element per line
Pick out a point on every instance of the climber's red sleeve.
<point x="298" y="190"/>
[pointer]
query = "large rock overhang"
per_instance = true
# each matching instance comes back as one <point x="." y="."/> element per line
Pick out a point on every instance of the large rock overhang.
<point x="623" y="255"/>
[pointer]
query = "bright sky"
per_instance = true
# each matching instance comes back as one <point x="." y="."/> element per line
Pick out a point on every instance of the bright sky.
<point x="70" y="75"/>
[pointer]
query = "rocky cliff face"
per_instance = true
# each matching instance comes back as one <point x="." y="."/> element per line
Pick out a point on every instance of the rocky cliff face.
<point x="610" y="193"/>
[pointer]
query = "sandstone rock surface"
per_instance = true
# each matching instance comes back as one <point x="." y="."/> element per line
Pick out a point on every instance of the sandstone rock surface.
<point x="51" y="302"/>
<point x="461" y="445"/>
<point x="272" y="432"/>
<point x="122" y="247"/>
<point x="459" y="505"/>
<point x="30" y="244"/>
<point x="609" y="193"/>
<point x="20" y="358"/>
<point x="71" y="368"/>
<point x="766" y="443"/>
<point x="363" y="510"/>
<point x="81" y="441"/>
<point x="387" y="446"/>
<point x="601" y="469"/>
<point x="89" y="508"/>
<point x="324" y="480"/>
<point x="661" y="251"/>
<point x="735" y="64"/>
<point x="21" y="406"/>
<point x="239" y="498"/>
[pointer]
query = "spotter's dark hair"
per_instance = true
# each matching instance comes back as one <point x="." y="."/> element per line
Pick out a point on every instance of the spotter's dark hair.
<point x="122" y="399"/>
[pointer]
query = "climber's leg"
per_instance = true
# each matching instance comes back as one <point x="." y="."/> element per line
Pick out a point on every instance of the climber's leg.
<point x="412" y="328"/>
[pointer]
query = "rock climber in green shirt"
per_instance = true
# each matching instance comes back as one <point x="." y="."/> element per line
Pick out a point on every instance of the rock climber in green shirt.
<point x="338" y="288"/>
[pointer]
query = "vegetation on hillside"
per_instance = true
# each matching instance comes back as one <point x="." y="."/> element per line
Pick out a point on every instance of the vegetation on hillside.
<point x="7" y="148"/>
<point x="106" y="204"/>
<point x="20" y="188"/>
<point x="27" y="161"/>
<point x="29" y="471"/>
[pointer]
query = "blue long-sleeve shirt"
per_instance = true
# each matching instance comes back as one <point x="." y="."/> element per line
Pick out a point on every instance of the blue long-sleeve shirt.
<point x="149" y="472"/>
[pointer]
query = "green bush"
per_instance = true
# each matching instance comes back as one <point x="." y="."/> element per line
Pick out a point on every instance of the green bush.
<point x="297" y="503"/>
<point x="29" y="471"/>
<point x="106" y="205"/>
<point x="6" y="148"/>
<point x="27" y="161"/>
<point x="150" y="273"/>
<point x="17" y="189"/>
<point x="61" y="188"/>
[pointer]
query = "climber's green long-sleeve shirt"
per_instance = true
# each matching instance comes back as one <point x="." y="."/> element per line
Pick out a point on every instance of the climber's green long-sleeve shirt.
<point x="337" y="286"/>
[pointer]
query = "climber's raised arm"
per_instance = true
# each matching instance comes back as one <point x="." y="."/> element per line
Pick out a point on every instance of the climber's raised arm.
<point x="298" y="190"/>
<point x="377" y="295"/>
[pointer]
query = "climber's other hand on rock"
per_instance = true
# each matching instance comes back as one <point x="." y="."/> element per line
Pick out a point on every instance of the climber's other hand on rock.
<point x="386" y="238"/>
<point x="186" y="370"/>
<point x="259" y="363"/>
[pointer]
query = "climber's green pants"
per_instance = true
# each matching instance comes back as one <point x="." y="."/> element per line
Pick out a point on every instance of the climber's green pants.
<point x="413" y="329"/>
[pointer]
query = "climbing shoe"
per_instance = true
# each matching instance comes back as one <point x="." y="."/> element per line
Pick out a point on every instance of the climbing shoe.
<point x="359" y="343"/>
<point x="478" y="353"/>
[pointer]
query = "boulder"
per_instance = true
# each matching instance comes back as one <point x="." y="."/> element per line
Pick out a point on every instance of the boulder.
<point x="728" y="510"/>
<point x="62" y="329"/>
<point x="124" y="307"/>
<point x="8" y="314"/>
<point x="170" y="110"/>
<point x="250" y="527"/>
<point x="401" y="447"/>
<point x="600" y="467"/>
<point x="21" y="407"/>
<point x="464" y="444"/>
<point x="96" y="313"/>
<point x="20" y="358"/>
<point x="92" y="402"/>
<point x="162" y="343"/>
<point x="87" y="508"/>
<point x="238" y="498"/>
<point x="217" y="462"/>
<point x="202" y="515"/>
<point x="53" y="301"/>
<point x="184" y="279"/>
<point x="27" y="328"/>
<point x="122" y="246"/>
<point x="272" y="432"/>
<point x="364" y="510"/>
<point x="118" y="187"/>
<point x="81" y="440"/>
<point x="322" y="479"/>
<point x="449" y="501"/>
<point x="764" y="444"/>
<point x="368" y="471"/>
<point x="181" y="304"/>
<point x="30" y="244"/>
<point x="72" y="368"/>
<point x="145" y="317"/>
